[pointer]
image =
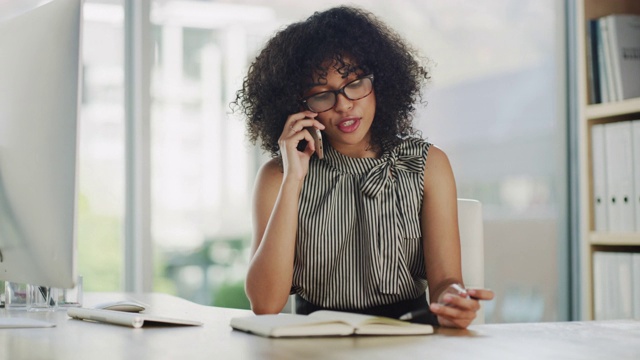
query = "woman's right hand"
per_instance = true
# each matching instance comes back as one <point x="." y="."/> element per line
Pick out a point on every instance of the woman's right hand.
<point x="296" y="163"/>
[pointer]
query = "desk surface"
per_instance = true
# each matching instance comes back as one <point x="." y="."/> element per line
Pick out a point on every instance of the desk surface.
<point x="76" y="339"/>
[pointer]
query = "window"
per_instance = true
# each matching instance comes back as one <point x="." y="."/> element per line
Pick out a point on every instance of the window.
<point x="202" y="166"/>
<point x="101" y="147"/>
<point x="495" y="105"/>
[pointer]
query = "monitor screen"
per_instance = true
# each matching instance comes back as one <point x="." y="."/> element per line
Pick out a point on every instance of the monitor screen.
<point x="39" y="91"/>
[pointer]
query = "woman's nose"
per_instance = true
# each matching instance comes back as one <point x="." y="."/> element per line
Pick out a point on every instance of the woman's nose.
<point x="343" y="103"/>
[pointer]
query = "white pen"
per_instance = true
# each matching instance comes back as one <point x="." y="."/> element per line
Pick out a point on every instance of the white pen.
<point x="455" y="289"/>
<point x="461" y="291"/>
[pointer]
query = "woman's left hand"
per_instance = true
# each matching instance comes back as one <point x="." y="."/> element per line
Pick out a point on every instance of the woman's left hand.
<point x="459" y="311"/>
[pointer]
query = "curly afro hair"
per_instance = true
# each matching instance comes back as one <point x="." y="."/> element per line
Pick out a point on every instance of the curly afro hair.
<point x="284" y="69"/>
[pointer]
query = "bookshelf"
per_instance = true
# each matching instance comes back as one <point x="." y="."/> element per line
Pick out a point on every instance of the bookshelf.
<point x="589" y="115"/>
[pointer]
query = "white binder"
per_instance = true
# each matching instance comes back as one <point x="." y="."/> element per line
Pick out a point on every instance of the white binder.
<point x="619" y="162"/>
<point x="603" y="69"/>
<point x="599" y="178"/>
<point x="636" y="173"/>
<point x="610" y="45"/>
<point x="600" y="284"/>
<point x="623" y="280"/>
<point x="613" y="285"/>
<point x="636" y="285"/>
<point x="624" y="37"/>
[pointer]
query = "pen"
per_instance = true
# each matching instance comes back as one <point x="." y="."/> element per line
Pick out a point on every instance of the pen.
<point x="46" y="294"/>
<point x="456" y="289"/>
<point x="461" y="291"/>
<point x="414" y="314"/>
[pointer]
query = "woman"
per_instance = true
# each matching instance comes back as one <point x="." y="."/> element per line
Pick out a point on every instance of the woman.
<point x="373" y="224"/>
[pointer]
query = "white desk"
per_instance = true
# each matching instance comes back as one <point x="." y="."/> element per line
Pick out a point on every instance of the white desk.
<point x="75" y="339"/>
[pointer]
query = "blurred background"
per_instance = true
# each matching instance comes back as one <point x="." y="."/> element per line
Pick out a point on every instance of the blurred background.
<point x="496" y="105"/>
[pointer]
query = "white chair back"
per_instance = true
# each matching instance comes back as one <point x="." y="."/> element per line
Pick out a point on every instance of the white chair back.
<point x="472" y="246"/>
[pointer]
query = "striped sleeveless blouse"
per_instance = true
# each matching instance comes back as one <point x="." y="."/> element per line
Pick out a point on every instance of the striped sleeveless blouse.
<point x="359" y="240"/>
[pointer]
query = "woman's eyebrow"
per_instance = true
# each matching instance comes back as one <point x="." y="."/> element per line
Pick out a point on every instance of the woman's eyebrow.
<point x="326" y="83"/>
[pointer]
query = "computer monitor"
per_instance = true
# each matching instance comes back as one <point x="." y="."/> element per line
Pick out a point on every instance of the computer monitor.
<point x="39" y="91"/>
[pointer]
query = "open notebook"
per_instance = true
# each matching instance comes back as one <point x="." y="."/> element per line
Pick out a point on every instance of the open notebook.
<point x="135" y="320"/>
<point x="326" y="323"/>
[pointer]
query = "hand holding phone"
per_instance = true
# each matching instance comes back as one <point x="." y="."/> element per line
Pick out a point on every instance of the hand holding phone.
<point x="317" y="138"/>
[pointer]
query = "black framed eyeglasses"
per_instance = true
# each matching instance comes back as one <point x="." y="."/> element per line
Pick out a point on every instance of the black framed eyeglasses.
<point x="326" y="100"/>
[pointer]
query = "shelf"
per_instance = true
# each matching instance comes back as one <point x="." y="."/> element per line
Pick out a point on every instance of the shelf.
<point x="614" y="239"/>
<point x="598" y="111"/>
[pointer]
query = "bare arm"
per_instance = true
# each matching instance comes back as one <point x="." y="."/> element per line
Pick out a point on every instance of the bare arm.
<point x="275" y="215"/>
<point x="441" y="240"/>
<point x="275" y="218"/>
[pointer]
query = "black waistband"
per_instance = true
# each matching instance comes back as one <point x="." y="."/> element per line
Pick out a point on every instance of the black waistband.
<point x="394" y="310"/>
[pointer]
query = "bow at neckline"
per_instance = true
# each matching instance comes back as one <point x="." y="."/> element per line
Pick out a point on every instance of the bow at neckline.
<point x="383" y="232"/>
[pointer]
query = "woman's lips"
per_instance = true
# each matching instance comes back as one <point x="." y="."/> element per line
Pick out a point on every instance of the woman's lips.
<point x="349" y="125"/>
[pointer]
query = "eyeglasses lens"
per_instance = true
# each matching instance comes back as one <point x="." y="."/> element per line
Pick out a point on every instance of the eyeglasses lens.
<point x="354" y="90"/>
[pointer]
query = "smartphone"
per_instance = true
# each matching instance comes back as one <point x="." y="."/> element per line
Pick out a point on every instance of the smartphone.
<point x="317" y="138"/>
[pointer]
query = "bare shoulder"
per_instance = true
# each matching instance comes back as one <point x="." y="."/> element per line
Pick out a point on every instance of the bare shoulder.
<point x="271" y="168"/>
<point x="437" y="160"/>
<point x="270" y="174"/>
<point x="438" y="172"/>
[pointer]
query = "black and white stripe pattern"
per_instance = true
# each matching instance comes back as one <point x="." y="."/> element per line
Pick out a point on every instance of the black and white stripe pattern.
<point x="359" y="239"/>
